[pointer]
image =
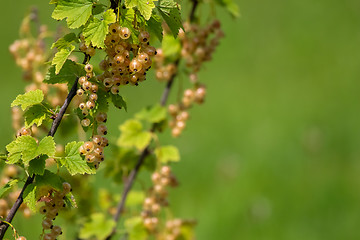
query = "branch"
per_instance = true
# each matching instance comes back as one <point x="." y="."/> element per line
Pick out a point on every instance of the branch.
<point x="55" y="124"/>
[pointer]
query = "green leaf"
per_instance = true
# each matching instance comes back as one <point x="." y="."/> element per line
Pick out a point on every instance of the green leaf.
<point x="37" y="166"/>
<point x="118" y="101"/>
<point x="231" y="6"/>
<point x="102" y="104"/>
<point x="66" y="41"/>
<point x="154" y="114"/>
<point x="133" y="136"/>
<point x="167" y="154"/>
<point x="170" y="12"/>
<point x="28" y="99"/>
<point x="29" y="149"/>
<point x="77" y="12"/>
<point x="135" y="228"/>
<point x="99" y="227"/>
<point x="30" y="196"/>
<point x="36" y="114"/>
<point x="144" y="6"/>
<point x="73" y="161"/>
<point x="68" y="73"/>
<point x="171" y="47"/>
<point x="97" y="28"/>
<point x="49" y="179"/>
<point x="7" y="187"/>
<point x="60" y="58"/>
<point x="155" y="27"/>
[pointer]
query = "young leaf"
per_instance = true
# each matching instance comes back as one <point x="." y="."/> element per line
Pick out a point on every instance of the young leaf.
<point x="68" y="73"/>
<point x="28" y="99"/>
<point x="60" y="58"/>
<point x="118" y="101"/>
<point x="66" y="41"/>
<point x="30" y="196"/>
<point x="7" y="187"/>
<point x="144" y="6"/>
<point x="167" y="154"/>
<point x="49" y="179"/>
<point x="73" y="161"/>
<point x="135" y="228"/>
<point x="153" y="114"/>
<point x="97" y="28"/>
<point x="132" y="135"/>
<point x="37" y="166"/>
<point x="170" y="12"/>
<point x="77" y="12"/>
<point x="29" y="149"/>
<point x="99" y="227"/>
<point x="36" y="114"/>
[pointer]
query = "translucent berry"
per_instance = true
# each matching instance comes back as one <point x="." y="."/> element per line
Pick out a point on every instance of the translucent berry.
<point x="80" y="92"/>
<point x="90" y="104"/>
<point x="101" y="117"/>
<point x="114" y="90"/>
<point x="47" y="223"/>
<point x="102" y="129"/>
<point x="82" y="106"/>
<point x="94" y="88"/>
<point x="85" y="122"/>
<point x="144" y="37"/>
<point x="135" y="66"/>
<point x="124" y="33"/>
<point x="93" y="97"/>
<point x="89" y="146"/>
<point x="89" y="68"/>
<point x="82" y="80"/>
<point x="66" y="187"/>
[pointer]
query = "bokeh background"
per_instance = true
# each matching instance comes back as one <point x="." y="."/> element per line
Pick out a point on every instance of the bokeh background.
<point x="275" y="151"/>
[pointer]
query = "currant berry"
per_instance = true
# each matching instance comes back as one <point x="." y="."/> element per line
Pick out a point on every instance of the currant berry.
<point x="150" y="50"/>
<point x="124" y="33"/>
<point x="119" y="49"/>
<point x="93" y="97"/>
<point x="48" y="236"/>
<point x="114" y="28"/>
<point x="90" y="157"/>
<point x="82" y="106"/>
<point x="80" y="92"/>
<point x="47" y="223"/>
<point x="82" y="80"/>
<point x="155" y="177"/>
<point x="43" y="210"/>
<point x="56" y="230"/>
<point x="90" y="51"/>
<point x="66" y="187"/>
<point x="87" y="85"/>
<point x="85" y="122"/>
<point x="104" y="142"/>
<point x="89" y="68"/>
<point x="108" y="82"/>
<point x="102" y="129"/>
<point x="21" y="238"/>
<point x="173" y="109"/>
<point x="99" y="151"/>
<point x="89" y="146"/>
<point x="94" y="88"/>
<point x="119" y="59"/>
<point x="97" y="139"/>
<point x="25" y="131"/>
<point x="144" y="37"/>
<point x="101" y="117"/>
<point x="165" y="171"/>
<point x="90" y="104"/>
<point x="135" y="66"/>
<point x="114" y="90"/>
<point x="143" y="58"/>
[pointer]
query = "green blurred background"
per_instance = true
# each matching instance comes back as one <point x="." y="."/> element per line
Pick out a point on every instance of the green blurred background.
<point x="275" y="151"/>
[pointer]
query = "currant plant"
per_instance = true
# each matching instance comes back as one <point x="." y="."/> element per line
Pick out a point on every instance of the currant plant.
<point x="106" y="47"/>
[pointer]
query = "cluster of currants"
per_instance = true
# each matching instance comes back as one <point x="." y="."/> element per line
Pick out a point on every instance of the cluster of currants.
<point x="53" y="204"/>
<point x="164" y="71"/>
<point x="197" y="47"/>
<point x="179" y="112"/>
<point x="173" y="229"/>
<point x="94" y="150"/>
<point x="11" y="172"/>
<point x="125" y="62"/>
<point x="158" y="197"/>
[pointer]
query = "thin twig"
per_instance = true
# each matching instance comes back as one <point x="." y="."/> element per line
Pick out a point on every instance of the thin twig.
<point x="55" y="124"/>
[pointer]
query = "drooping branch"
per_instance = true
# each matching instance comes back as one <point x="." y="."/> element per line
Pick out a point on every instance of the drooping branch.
<point x="55" y="124"/>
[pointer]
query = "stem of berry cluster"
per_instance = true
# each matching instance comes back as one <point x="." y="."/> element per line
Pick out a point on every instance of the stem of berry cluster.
<point x="55" y="124"/>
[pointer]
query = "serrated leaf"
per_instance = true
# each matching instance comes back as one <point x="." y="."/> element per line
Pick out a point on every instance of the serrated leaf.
<point x="66" y="41"/>
<point x="77" y="12"/>
<point x="29" y="149"/>
<point x="135" y="228"/>
<point x="170" y="12"/>
<point x="37" y="166"/>
<point x="132" y="135"/>
<point x="7" y="187"/>
<point x="97" y="28"/>
<point x="60" y="57"/>
<point x="99" y="227"/>
<point x="36" y="114"/>
<point x="118" y="101"/>
<point x="68" y="73"/>
<point x="28" y="99"/>
<point x="144" y="6"/>
<point x="102" y="104"/>
<point x="73" y="161"/>
<point x="154" y="114"/>
<point x="167" y="154"/>
<point x="29" y="196"/>
<point x="155" y="27"/>
<point x="49" y="179"/>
